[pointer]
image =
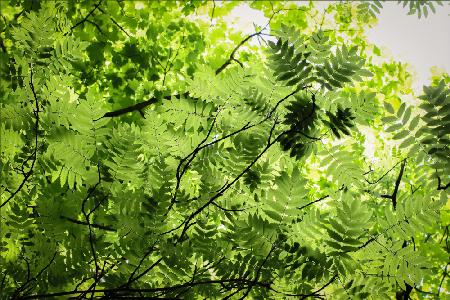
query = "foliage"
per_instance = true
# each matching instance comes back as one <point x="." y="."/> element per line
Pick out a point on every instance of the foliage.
<point x="421" y="7"/>
<point x="149" y="150"/>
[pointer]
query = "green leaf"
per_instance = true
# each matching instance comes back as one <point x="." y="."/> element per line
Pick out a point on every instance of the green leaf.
<point x="388" y="107"/>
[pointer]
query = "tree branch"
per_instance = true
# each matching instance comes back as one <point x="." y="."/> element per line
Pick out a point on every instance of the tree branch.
<point x="98" y="226"/>
<point x="167" y="289"/>
<point x="141" y="105"/>
<point x="2" y="45"/>
<point x="91" y="236"/>
<point x="34" y="154"/>
<point x="440" y="186"/>
<point x="303" y="296"/>
<point x="181" y="171"/>
<point x="186" y="223"/>
<point x="315" y="201"/>
<point x="393" y="197"/>
<point x="130" y="279"/>
<point x="96" y="26"/>
<point x="212" y="14"/>
<point x="378" y="180"/>
<point x="258" y="273"/>
<point x="190" y="157"/>
<point x="114" y="21"/>
<point x="424" y="292"/>
<point x="222" y="190"/>
<point x="233" y="53"/>
<point x="30" y="280"/>
<point x="444" y="274"/>
<point x="138" y="106"/>
<point x="227" y="209"/>
<point x="84" y="19"/>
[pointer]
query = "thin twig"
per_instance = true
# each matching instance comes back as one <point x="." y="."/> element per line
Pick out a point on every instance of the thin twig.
<point x="379" y="179"/>
<point x="393" y="197"/>
<point x="98" y="226"/>
<point x="97" y="6"/>
<point x="96" y="26"/>
<point x="30" y="280"/>
<point x="115" y="22"/>
<point x="212" y="13"/>
<point x="233" y="53"/>
<point x="440" y="186"/>
<point x="34" y="154"/>
<point x="315" y="201"/>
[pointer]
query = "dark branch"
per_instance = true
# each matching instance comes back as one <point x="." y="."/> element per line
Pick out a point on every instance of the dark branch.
<point x="404" y="294"/>
<point x="85" y="18"/>
<point x="96" y="26"/>
<point x="136" y="107"/>
<point x="212" y="14"/>
<point x="141" y="105"/>
<point x="258" y="273"/>
<point x="373" y="238"/>
<point x="244" y="128"/>
<point x="29" y="280"/>
<point x="444" y="274"/>
<point x="115" y="22"/>
<point x="315" y="201"/>
<point x="98" y="274"/>
<point x="227" y="209"/>
<point x="91" y="235"/>
<point x="98" y="204"/>
<point x="424" y="292"/>
<point x="34" y="154"/>
<point x="440" y="186"/>
<point x="190" y="157"/>
<point x="2" y="45"/>
<point x="182" y="170"/>
<point x="130" y="279"/>
<point x="186" y="223"/>
<point x="150" y="290"/>
<point x="98" y="226"/>
<point x="96" y="280"/>
<point x="315" y="293"/>
<point x="233" y="53"/>
<point x="221" y="191"/>
<point x="238" y="61"/>
<point x="384" y="175"/>
<point x="393" y="197"/>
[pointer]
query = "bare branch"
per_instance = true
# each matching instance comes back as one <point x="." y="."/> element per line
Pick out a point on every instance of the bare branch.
<point x="115" y="22"/>
<point x="440" y="186"/>
<point x="98" y="226"/>
<point x="393" y="197"/>
<point x="315" y="293"/>
<point x="315" y="201"/>
<point x="36" y="130"/>
<point x="212" y="13"/>
<point x="379" y="179"/>
<point x="29" y="280"/>
<point x="136" y="107"/>
<point x="97" y="6"/>
<point x="233" y="53"/>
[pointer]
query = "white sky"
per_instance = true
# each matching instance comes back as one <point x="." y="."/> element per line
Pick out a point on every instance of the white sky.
<point x="242" y="18"/>
<point x="423" y="43"/>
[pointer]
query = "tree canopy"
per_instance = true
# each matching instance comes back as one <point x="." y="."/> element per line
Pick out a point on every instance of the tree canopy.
<point x="152" y="150"/>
